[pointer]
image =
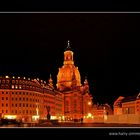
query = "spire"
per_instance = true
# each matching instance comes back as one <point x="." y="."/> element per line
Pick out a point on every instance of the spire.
<point x="51" y="82"/>
<point x="68" y="46"/>
<point x="86" y="81"/>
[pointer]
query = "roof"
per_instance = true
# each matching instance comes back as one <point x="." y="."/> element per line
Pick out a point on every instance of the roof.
<point x="129" y="98"/>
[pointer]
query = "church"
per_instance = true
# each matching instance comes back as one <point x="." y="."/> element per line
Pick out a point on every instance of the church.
<point x="28" y="99"/>
<point x="77" y="97"/>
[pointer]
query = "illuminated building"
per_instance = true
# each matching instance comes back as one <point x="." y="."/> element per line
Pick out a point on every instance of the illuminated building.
<point x="127" y="105"/>
<point x="76" y="95"/>
<point x="27" y="99"/>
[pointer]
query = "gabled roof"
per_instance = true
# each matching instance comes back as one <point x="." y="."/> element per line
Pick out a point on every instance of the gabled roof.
<point x="130" y="98"/>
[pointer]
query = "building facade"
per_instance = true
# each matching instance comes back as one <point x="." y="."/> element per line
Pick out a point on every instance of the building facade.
<point x="127" y="105"/>
<point x="28" y="99"/>
<point x="76" y="96"/>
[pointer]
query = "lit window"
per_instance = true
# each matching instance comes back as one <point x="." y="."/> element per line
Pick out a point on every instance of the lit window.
<point x="16" y="86"/>
<point x="19" y="86"/>
<point x="6" y="76"/>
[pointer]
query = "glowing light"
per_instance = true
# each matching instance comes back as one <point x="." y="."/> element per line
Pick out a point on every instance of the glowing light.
<point x="38" y="79"/>
<point x="89" y="103"/>
<point x="24" y="78"/>
<point x="18" y="77"/>
<point x="35" y="117"/>
<point x="19" y="86"/>
<point x="13" y="77"/>
<point x="6" y="76"/>
<point x="89" y="115"/>
<point x="84" y="117"/>
<point x="12" y="86"/>
<point x="10" y="116"/>
<point x="53" y="117"/>
<point x="28" y="78"/>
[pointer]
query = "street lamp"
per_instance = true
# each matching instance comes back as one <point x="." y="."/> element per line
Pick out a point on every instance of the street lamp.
<point x="89" y="103"/>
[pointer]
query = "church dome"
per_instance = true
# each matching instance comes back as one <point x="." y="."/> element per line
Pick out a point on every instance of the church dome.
<point x="68" y="75"/>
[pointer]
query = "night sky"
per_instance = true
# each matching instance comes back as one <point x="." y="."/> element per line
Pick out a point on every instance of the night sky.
<point x="106" y="49"/>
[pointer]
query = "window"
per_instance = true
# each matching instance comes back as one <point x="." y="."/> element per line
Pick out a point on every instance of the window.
<point x="12" y="98"/>
<point x="6" y="111"/>
<point x="15" y="111"/>
<point x="12" y="92"/>
<point x="23" y="105"/>
<point x="20" y="105"/>
<point x="26" y="105"/>
<point x="2" y="111"/>
<point x="26" y="99"/>
<point x="6" y="98"/>
<point x="16" y="86"/>
<point x="2" y="98"/>
<point x="19" y="86"/>
<point x="6" y="105"/>
<point x="15" y="105"/>
<point x="20" y="99"/>
<point x="2" y="105"/>
<point x="12" y="105"/>
<point x="2" y="92"/>
<point x="6" y="92"/>
<point x="27" y="111"/>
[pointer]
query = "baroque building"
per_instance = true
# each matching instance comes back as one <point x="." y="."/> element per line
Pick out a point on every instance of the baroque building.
<point x="127" y="105"/>
<point x="77" y="97"/>
<point x="27" y="99"/>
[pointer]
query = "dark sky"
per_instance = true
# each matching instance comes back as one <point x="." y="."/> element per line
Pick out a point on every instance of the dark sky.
<point x="106" y="48"/>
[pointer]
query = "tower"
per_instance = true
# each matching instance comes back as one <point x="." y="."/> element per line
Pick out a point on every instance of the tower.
<point x="51" y="82"/>
<point x="68" y="76"/>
